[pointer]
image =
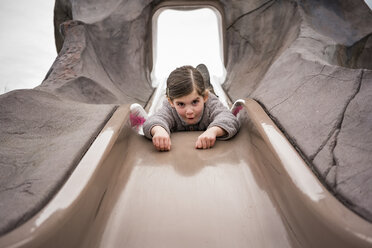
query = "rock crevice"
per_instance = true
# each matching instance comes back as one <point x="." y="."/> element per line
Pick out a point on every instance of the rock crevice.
<point x="251" y="11"/>
<point x="336" y="129"/>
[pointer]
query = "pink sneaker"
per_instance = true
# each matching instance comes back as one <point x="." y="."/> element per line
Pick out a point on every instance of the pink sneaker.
<point x="137" y="117"/>
<point x="237" y="106"/>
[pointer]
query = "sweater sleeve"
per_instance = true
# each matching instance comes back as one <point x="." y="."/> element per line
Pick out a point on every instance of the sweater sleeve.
<point x="223" y="118"/>
<point x="163" y="118"/>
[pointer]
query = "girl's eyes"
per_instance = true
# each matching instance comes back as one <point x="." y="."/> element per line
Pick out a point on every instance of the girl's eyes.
<point x="194" y="102"/>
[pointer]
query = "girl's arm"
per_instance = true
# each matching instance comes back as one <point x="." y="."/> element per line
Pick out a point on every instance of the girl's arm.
<point x="157" y="127"/>
<point x="208" y="138"/>
<point x="160" y="138"/>
<point x="224" y="124"/>
<point x="222" y="117"/>
<point x="163" y="118"/>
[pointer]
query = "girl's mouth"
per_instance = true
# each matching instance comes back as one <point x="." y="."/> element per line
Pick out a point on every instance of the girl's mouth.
<point x="190" y="120"/>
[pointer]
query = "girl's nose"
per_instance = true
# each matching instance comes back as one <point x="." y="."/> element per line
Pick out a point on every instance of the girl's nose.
<point x="189" y="111"/>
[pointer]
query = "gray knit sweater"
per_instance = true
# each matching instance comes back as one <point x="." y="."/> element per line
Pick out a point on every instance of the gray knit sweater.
<point x="215" y="114"/>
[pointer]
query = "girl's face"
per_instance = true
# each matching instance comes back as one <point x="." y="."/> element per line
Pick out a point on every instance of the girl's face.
<point x="190" y="107"/>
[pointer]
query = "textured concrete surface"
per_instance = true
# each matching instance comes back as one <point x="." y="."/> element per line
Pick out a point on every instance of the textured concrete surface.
<point x="42" y="139"/>
<point x="307" y="62"/>
<point x="311" y="88"/>
<point x="351" y="168"/>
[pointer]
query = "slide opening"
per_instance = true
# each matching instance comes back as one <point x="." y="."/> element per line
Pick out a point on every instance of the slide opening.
<point x="187" y="34"/>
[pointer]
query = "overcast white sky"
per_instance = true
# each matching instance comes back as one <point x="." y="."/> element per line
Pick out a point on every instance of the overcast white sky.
<point x="27" y="48"/>
<point x="188" y="38"/>
<point x="369" y="3"/>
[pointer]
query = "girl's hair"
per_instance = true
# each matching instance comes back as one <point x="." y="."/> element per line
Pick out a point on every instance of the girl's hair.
<point x="183" y="80"/>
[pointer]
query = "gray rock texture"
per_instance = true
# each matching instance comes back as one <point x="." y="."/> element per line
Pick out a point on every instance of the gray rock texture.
<point x="42" y="139"/>
<point x="307" y="62"/>
<point x="310" y="91"/>
<point x="353" y="149"/>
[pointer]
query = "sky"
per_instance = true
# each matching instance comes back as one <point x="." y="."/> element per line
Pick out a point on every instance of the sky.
<point x="27" y="48"/>
<point x="187" y="38"/>
<point x="369" y="3"/>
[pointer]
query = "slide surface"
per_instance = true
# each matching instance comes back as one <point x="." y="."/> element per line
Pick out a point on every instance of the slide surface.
<point x="251" y="191"/>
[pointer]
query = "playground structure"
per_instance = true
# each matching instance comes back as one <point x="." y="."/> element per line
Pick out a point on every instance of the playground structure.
<point x="254" y="190"/>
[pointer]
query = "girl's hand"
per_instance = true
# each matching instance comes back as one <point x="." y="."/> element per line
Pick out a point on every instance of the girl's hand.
<point x="208" y="138"/>
<point x="160" y="138"/>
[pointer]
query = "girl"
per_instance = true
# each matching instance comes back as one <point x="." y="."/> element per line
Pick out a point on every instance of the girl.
<point x="190" y="107"/>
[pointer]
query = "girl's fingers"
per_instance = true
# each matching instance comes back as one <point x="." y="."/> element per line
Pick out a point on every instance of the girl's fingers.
<point x="212" y="142"/>
<point x="161" y="143"/>
<point x="199" y="144"/>
<point x="160" y="139"/>
<point x="209" y="142"/>
<point x="202" y="143"/>
<point x="205" y="143"/>
<point x="166" y="144"/>
<point x="157" y="143"/>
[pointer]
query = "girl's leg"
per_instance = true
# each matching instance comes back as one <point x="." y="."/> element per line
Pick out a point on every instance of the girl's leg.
<point x="202" y="68"/>
<point x="237" y="106"/>
<point x="137" y="117"/>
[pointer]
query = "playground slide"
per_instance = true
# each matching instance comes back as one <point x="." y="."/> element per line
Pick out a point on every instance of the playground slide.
<point x="251" y="191"/>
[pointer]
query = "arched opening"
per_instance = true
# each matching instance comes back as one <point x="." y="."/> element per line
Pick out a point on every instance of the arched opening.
<point x="187" y="35"/>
